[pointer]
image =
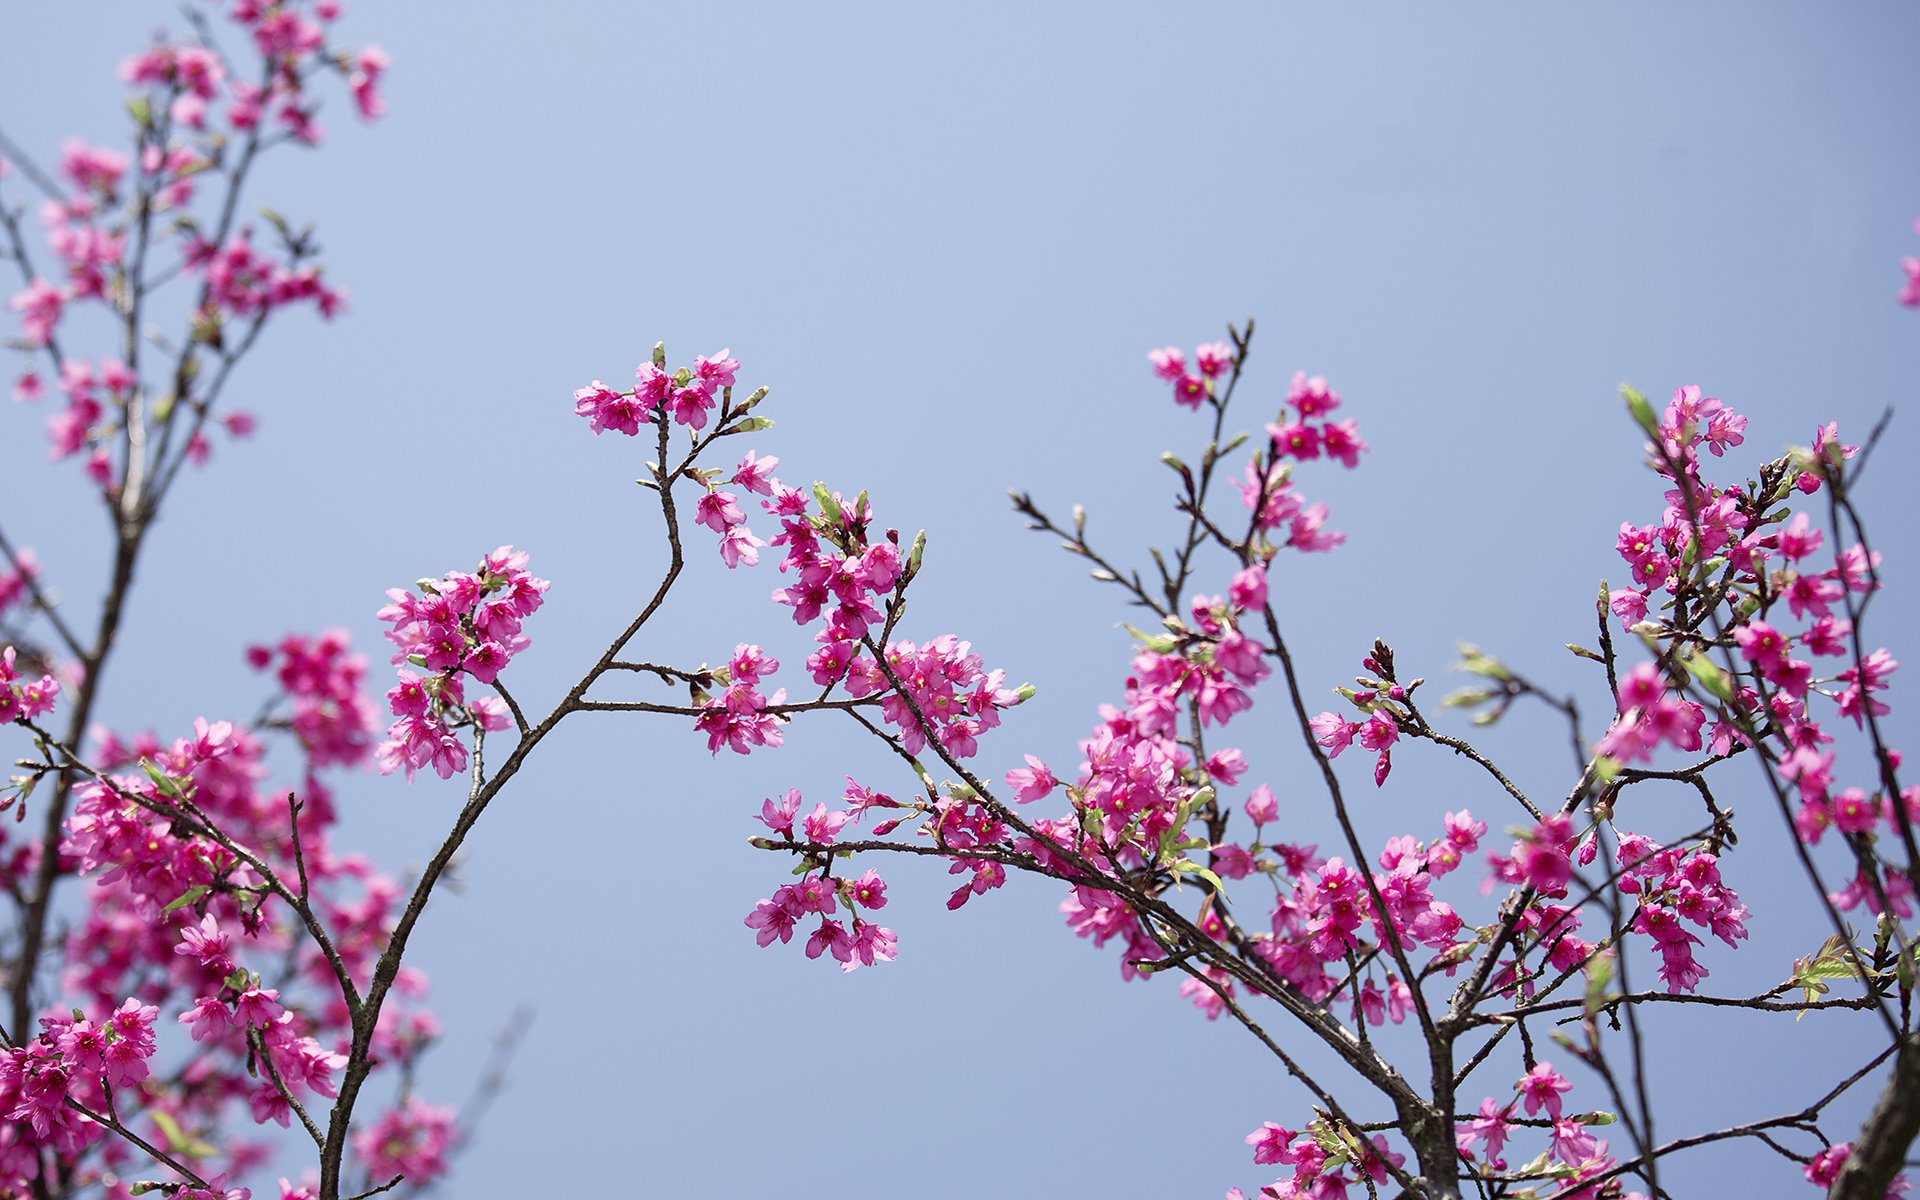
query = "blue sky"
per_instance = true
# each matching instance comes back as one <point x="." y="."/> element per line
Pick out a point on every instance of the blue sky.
<point x="946" y="237"/>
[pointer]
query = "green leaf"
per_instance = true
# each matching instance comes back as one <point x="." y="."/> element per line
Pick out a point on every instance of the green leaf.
<point x="1476" y="661"/>
<point x="140" y="110"/>
<point x="1710" y="675"/>
<point x="185" y="898"/>
<point x="829" y="507"/>
<point x="177" y="1139"/>
<point x="1158" y="643"/>
<point x="1583" y="652"/>
<point x="165" y="782"/>
<point x="1640" y="410"/>
<point x="1606" y="769"/>
<point x="1599" y="975"/>
<point x="660" y="356"/>
<point x="1186" y="866"/>
<point x="1831" y="961"/>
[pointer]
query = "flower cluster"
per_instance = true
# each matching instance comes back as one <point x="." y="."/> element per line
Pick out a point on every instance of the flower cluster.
<point x="1825" y="1166"/>
<point x="1299" y="437"/>
<point x="172" y="908"/>
<point x="1783" y="616"/>
<point x="188" y="110"/>
<point x="22" y="697"/>
<point x="1266" y="487"/>
<point x="465" y="624"/>
<point x="687" y="395"/>
<point x="1675" y="885"/>
<point x="1326" y="1161"/>
<point x="72" y="1062"/>
<point x="412" y="1140"/>
<point x="236" y="1009"/>
<point x="330" y="715"/>
<point x="1572" y="1156"/>
<point x="776" y="917"/>
<point x="739" y="720"/>
<point x="1193" y="388"/>
<point x="1650" y="715"/>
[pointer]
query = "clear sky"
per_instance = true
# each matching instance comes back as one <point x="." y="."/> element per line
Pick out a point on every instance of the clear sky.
<point x="946" y="236"/>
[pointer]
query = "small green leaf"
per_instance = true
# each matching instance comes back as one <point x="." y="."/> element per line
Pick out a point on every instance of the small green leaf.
<point x="1476" y="661"/>
<point x="1831" y="961"/>
<point x="1710" y="675"/>
<point x="1606" y="768"/>
<point x="1158" y="643"/>
<point x="1186" y="866"/>
<point x="185" y="898"/>
<point x="915" y="554"/>
<point x="829" y="507"/>
<point x="1599" y="975"/>
<point x="1583" y="652"/>
<point x="660" y="356"/>
<point x="1640" y="409"/>
<point x="167" y="784"/>
<point x="169" y="1128"/>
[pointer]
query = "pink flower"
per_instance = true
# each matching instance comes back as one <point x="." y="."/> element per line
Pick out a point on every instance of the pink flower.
<point x="1540" y="1087"/>
<point x="716" y="370"/>
<point x="772" y="919"/>
<point x="207" y="943"/>
<point x="831" y="938"/>
<point x="1227" y="766"/>
<point x="1271" y="1143"/>
<point x="779" y="817"/>
<point x="1261" y="806"/>
<point x="869" y="891"/>
<point x="1333" y="733"/>
<point x="823" y="826"/>
<point x="1031" y="782"/>
<point x="1169" y="364"/>
<point x="1249" y="587"/>
<point x="39" y="308"/>
<point x="1214" y="359"/>
<point x="756" y="474"/>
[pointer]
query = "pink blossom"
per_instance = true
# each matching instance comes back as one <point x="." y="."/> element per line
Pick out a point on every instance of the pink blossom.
<point x="1542" y="1087"/>
<point x="756" y="474"/>
<point x="1213" y="359"/>
<point x="1169" y="364"/>
<point x="1261" y="806"/>
<point x="831" y="937"/>
<point x="823" y="826"/>
<point x="1031" y="782"/>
